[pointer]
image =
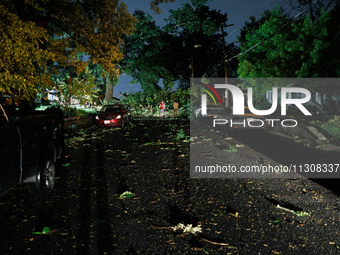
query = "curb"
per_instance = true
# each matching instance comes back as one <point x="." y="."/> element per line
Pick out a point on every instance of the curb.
<point x="74" y="125"/>
<point x="308" y="132"/>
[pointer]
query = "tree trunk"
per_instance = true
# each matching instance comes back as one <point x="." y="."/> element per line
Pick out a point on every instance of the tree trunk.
<point x="108" y="90"/>
<point x="322" y="103"/>
<point x="332" y="103"/>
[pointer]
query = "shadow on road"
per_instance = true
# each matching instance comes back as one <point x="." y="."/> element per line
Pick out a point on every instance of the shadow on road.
<point x="287" y="152"/>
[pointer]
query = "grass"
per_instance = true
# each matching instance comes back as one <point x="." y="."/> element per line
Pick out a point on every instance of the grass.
<point x="334" y="131"/>
<point x="328" y="125"/>
<point x="73" y="112"/>
<point x="232" y="149"/>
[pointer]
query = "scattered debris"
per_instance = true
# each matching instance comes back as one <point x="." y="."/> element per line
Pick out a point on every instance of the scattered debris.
<point x="188" y="228"/>
<point x="298" y="213"/>
<point x="127" y="194"/>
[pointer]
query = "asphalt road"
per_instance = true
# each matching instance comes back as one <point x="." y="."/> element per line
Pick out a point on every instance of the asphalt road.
<point x="287" y="151"/>
<point x="85" y="214"/>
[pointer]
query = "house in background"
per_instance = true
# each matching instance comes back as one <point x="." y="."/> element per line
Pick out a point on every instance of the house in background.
<point x="52" y="96"/>
<point x="118" y="97"/>
<point x="316" y="96"/>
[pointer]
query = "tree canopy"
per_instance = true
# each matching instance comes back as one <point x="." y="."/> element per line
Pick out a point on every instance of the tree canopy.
<point x="189" y="36"/>
<point x="55" y="31"/>
<point x="155" y="3"/>
<point x="145" y="53"/>
<point x="23" y="62"/>
<point x="278" y="46"/>
<point x="79" y="87"/>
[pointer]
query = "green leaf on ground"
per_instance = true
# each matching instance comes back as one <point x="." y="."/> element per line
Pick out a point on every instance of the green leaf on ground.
<point x="46" y="230"/>
<point x="127" y="194"/>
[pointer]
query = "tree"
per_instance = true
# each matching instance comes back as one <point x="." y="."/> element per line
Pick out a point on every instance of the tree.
<point x="283" y="47"/>
<point x="152" y="53"/>
<point x="313" y="7"/>
<point x="109" y="84"/>
<point x="146" y="54"/>
<point x="154" y="4"/>
<point x="23" y="63"/>
<point x="197" y="29"/>
<point x="92" y="27"/>
<point x="72" y="86"/>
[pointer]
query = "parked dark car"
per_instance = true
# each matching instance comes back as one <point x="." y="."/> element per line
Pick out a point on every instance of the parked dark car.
<point x="29" y="148"/>
<point x="113" y="115"/>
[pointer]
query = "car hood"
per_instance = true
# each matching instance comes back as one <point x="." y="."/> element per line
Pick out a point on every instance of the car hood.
<point x="108" y="114"/>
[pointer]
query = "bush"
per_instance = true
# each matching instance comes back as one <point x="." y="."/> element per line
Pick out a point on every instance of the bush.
<point x="332" y="126"/>
<point x="79" y="112"/>
<point x="263" y="105"/>
<point x="56" y="110"/>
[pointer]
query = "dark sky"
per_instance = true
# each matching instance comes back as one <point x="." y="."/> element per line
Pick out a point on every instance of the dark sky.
<point x="238" y="12"/>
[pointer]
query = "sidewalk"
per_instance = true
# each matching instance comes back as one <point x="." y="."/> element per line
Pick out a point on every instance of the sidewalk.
<point x="73" y="125"/>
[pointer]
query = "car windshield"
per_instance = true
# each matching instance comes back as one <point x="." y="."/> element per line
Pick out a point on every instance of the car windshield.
<point x="110" y="109"/>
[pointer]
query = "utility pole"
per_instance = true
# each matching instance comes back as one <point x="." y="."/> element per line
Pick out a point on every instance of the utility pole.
<point x="192" y="63"/>
<point x="225" y="60"/>
<point x="192" y="66"/>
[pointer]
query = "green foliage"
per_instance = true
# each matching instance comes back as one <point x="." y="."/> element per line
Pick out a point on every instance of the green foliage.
<point x="262" y="105"/>
<point x="335" y="121"/>
<point x="40" y="37"/>
<point x="127" y="194"/>
<point x="231" y="149"/>
<point x="142" y="103"/>
<point x="196" y="28"/>
<point x="72" y="86"/>
<point x="74" y="112"/>
<point x="195" y="18"/>
<point x="46" y="230"/>
<point x="55" y="109"/>
<point x="112" y="101"/>
<point x="185" y="111"/>
<point x="23" y="63"/>
<point x="276" y="45"/>
<point x="181" y="134"/>
<point x="153" y="53"/>
<point x="145" y="52"/>
<point x="59" y="110"/>
<point x="154" y="5"/>
<point x="332" y="126"/>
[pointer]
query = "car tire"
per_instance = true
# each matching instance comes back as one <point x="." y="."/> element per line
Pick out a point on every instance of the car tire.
<point x="45" y="178"/>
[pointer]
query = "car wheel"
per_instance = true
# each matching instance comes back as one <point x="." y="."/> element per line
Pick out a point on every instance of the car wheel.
<point x="45" y="178"/>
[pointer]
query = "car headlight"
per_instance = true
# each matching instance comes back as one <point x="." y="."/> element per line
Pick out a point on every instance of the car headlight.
<point x="118" y="117"/>
<point x="97" y="117"/>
